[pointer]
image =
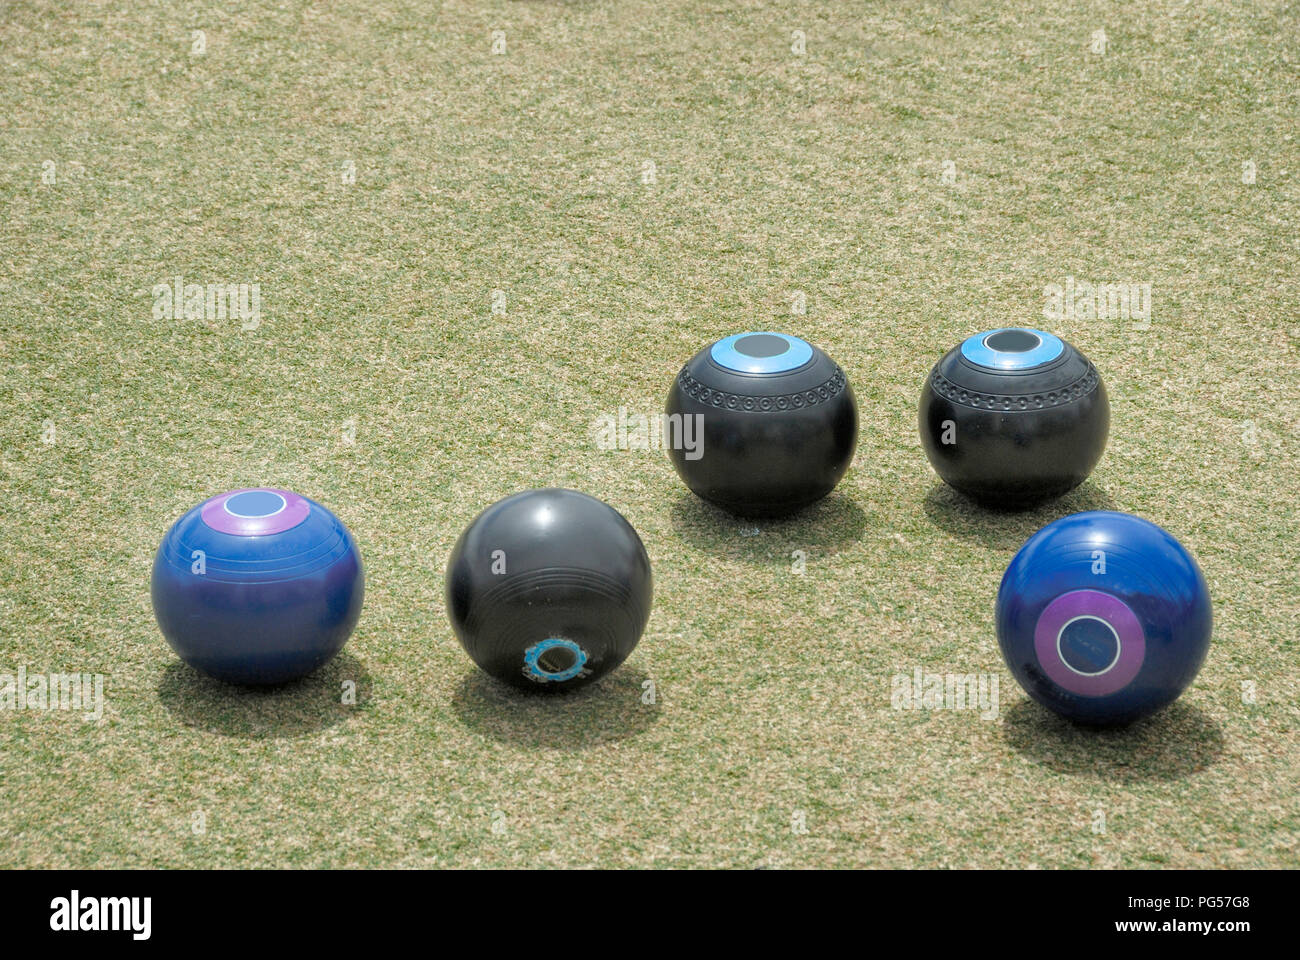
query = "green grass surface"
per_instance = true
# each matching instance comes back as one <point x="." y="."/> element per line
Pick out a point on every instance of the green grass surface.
<point x="381" y="383"/>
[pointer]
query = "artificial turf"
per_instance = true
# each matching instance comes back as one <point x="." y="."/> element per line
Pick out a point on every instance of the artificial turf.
<point x="466" y="258"/>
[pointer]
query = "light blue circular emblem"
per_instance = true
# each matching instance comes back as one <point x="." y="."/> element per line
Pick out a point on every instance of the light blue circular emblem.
<point x="761" y="352"/>
<point x="535" y="669"/>
<point x="1012" y="348"/>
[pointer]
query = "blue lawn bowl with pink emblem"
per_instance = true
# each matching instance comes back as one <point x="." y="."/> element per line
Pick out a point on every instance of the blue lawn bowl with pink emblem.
<point x="1103" y="617"/>
<point x="257" y="586"/>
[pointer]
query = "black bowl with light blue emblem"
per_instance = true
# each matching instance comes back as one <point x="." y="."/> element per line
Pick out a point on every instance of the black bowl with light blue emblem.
<point x="549" y="589"/>
<point x="1013" y="416"/>
<point x="761" y="424"/>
